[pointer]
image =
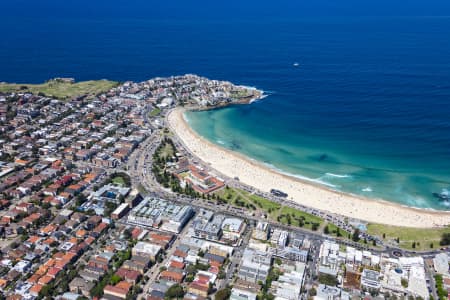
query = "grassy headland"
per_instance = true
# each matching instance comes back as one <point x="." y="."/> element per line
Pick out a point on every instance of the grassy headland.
<point x="61" y="89"/>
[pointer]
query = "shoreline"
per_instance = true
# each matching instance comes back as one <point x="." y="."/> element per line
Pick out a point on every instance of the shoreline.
<point x="263" y="178"/>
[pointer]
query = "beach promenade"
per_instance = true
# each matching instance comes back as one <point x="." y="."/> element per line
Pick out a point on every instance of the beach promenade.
<point x="263" y="178"/>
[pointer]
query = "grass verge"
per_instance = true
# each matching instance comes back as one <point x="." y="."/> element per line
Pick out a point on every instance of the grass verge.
<point x="421" y="238"/>
<point x="277" y="212"/>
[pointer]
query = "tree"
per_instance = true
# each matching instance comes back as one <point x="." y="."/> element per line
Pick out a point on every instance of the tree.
<point x="278" y="261"/>
<point x="115" y="279"/>
<point x="190" y="278"/>
<point x="45" y="291"/>
<point x="404" y="282"/>
<point x="327" y="279"/>
<point x="314" y="226"/>
<point x="413" y="245"/>
<point x="175" y="291"/>
<point x="127" y="234"/>
<point x="223" y="294"/>
<point x="312" y="292"/>
<point x="445" y="239"/>
<point x="326" y="230"/>
<point x="355" y="236"/>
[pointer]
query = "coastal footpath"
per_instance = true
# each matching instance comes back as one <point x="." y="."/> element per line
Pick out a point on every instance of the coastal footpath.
<point x="252" y="173"/>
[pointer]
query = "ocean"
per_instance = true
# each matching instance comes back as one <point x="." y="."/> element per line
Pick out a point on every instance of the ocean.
<point x="366" y="111"/>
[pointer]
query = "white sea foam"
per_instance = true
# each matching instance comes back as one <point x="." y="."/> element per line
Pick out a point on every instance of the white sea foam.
<point x="304" y="178"/>
<point x="337" y="175"/>
<point x="367" y="189"/>
<point x="258" y="99"/>
<point x="185" y="118"/>
<point x="221" y="142"/>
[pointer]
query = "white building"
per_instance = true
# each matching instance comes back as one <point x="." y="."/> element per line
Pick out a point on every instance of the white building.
<point x="370" y="280"/>
<point x="279" y="237"/>
<point x="153" y="212"/>
<point x="325" y="292"/>
<point x="329" y="258"/>
<point x="440" y="262"/>
<point x="410" y="269"/>
<point x="255" y="266"/>
<point x="289" y="285"/>
<point x="232" y="228"/>
<point x="240" y="294"/>
<point x="146" y="249"/>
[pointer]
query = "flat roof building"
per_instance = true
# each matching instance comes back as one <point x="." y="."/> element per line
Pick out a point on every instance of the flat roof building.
<point x="159" y="213"/>
<point x="146" y="250"/>
<point x="255" y="266"/>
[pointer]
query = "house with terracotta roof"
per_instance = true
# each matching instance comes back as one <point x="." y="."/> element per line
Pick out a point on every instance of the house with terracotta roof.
<point x="179" y="253"/>
<point x="48" y="230"/>
<point x="136" y="232"/>
<point x="172" y="276"/>
<point x="53" y="272"/>
<point x="35" y="289"/>
<point x="81" y="233"/>
<point x="128" y="275"/>
<point x="33" y="218"/>
<point x="22" y="162"/>
<point x="74" y="189"/>
<point x="32" y="240"/>
<point x="198" y="289"/>
<point x="3" y="283"/>
<point x="120" y="290"/>
<point x="164" y="240"/>
<point x="176" y="264"/>
<point x="25" y="207"/>
<point x="89" y="240"/>
<point x="46" y="279"/>
<point x="99" y="229"/>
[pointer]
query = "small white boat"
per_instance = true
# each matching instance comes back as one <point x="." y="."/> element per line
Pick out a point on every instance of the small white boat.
<point x="296" y="64"/>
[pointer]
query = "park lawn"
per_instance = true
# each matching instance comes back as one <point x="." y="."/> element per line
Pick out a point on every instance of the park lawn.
<point x="167" y="151"/>
<point x="155" y="112"/>
<point x="227" y="194"/>
<point x="264" y="204"/>
<point x="422" y="236"/>
<point x="296" y="215"/>
<point x="332" y="229"/>
<point x="274" y="210"/>
<point x="61" y="90"/>
<point x="235" y="197"/>
<point x="118" y="181"/>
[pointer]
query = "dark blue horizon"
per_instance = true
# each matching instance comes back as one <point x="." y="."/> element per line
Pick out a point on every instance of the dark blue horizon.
<point x="226" y="10"/>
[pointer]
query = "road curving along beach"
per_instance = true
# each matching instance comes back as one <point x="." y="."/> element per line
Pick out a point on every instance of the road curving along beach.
<point x="252" y="173"/>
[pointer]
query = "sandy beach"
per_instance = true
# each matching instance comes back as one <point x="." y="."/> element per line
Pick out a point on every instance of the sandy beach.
<point x="263" y="178"/>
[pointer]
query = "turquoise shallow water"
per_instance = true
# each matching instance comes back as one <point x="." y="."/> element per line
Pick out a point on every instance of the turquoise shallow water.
<point x="359" y="167"/>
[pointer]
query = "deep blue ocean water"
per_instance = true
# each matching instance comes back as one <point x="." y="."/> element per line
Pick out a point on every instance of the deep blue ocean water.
<point x="366" y="111"/>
